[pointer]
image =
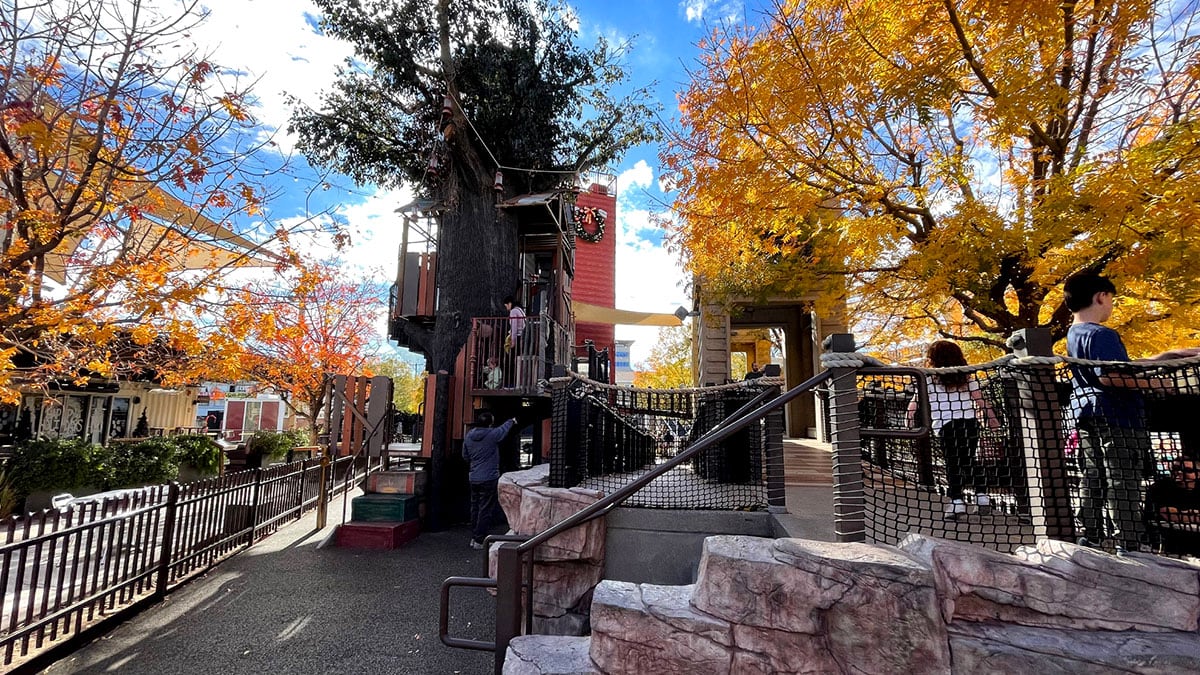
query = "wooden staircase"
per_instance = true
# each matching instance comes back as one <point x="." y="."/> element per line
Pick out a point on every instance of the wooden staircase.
<point x="388" y="515"/>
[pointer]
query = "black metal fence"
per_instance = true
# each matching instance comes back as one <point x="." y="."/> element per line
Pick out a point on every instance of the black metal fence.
<point x="64" y="571"/>
<point x="604" y="437"/>
<point x="1026" y="448"/>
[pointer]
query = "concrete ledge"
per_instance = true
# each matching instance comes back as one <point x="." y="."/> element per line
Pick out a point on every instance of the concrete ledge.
<point x="663" y="546"/>
<point x="687" y="520"/>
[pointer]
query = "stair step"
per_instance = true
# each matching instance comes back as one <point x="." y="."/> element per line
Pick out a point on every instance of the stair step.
<point x="385" y="536"/>
<point x="549" y="655"/>
<point x="396" y="483"/>
<point x="822" y="604"/>
<point x="645" y="628"/>
<point x="384" y="508"/>
<point x="1059" y="584"/>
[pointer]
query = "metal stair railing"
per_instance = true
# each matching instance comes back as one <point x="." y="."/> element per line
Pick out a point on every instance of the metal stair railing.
<point x="514" y="556"/>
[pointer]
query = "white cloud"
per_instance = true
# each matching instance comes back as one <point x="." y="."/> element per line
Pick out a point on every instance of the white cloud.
<point x="649" y="279"/>
<point x="696" y="10"/>
<point x="277" y="47"/>
<point x="640" y="175"/>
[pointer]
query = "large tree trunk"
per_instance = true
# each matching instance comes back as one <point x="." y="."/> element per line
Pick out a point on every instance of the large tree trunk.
<point x="477" y="256"/>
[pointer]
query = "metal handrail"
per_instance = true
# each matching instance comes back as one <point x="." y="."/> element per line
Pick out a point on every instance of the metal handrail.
<point x="741" y="418"/>
<point x="510" y="551"/>
<point x="924" y="419"/>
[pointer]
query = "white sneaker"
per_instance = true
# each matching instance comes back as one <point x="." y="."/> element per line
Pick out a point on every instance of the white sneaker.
<point x="954" y="509"/>
<point x="983" y="505"/>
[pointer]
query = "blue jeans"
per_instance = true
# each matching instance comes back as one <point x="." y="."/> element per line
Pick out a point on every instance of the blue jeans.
<point x="483" y="508"/>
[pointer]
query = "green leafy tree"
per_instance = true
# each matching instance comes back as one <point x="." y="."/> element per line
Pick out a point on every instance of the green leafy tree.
<point x="468" y="88"/>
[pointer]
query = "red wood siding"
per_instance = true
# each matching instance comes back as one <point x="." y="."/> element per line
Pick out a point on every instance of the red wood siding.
<point x="596" y="268"/>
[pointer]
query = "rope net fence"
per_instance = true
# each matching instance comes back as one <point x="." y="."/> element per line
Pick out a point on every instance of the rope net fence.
<point x="1025" y="448"/>
<point x="604" y="437"/>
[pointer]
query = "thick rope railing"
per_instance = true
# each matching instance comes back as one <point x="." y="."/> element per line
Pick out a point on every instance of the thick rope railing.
<point x="605" y="386"/>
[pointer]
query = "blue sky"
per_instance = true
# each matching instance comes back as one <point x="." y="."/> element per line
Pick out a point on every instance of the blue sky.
<point x="275" y="44"/>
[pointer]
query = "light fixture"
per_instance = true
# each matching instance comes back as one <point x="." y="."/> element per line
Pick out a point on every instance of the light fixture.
<point x="681" y="313"/>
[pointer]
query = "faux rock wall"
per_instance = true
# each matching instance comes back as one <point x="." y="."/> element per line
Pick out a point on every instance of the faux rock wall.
<point x="568" y="566"/>
<point x="925" y="606"/>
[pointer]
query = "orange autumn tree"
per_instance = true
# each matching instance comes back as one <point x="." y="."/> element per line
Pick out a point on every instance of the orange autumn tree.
<point x="125" y="154"/>
<point x="299" y="331"/>
<point x="943" y="166"/>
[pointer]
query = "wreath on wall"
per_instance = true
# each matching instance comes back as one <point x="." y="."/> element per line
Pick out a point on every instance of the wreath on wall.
<point x="589" y="223"/>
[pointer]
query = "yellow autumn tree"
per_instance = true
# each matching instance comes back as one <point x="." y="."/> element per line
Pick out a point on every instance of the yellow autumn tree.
<point x="943" y="166"/>
<point x="125" y="158"/>
<point x="408" y="383"/>
<point x="669" y="365"/>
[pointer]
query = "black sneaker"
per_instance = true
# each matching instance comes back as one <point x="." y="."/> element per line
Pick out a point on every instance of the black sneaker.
<point x="477" y="545"/>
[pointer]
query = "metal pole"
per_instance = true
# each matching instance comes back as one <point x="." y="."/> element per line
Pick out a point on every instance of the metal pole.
<point x="165" y="550"/>
<point x="776" y="488"/>
<point x="508" y="599"/>
<point x="258" y="474"/>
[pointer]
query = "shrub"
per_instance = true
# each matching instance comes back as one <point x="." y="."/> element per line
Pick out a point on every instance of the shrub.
<point x="8" y="496"/>
<point x="299" y="437"/>
<point x="55" y="465"/>
<point x="269" y="444"/>
<point x="201" y="452"/>
<point x="147" y="462"/>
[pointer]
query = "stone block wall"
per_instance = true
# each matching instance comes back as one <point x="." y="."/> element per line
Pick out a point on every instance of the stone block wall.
<point x="925" y="606"/>
<point x="567" y="567"/>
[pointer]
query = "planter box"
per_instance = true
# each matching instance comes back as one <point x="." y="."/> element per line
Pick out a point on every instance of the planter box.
<point x="40" y="499"/>
<point x="303" y="452"/>
<point x="189" y="473"/>
<point x="376" y="508"/>
<point x="396" y="483"/>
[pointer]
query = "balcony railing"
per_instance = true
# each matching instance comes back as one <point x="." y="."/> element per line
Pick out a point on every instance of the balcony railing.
<point x="510" y="356"/>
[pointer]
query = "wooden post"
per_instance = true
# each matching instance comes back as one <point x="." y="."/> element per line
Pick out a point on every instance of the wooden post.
<point x="323" y="493"/>
<point x="849" y="504"/>
<point x="1042" y="439"/>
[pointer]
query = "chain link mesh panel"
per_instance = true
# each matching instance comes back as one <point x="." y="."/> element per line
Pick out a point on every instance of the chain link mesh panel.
<point x="604" y="438"/>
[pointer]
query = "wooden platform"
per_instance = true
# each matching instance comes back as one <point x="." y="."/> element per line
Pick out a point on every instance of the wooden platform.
<point x="385" y="536"/>
<point x="807" y="462"/>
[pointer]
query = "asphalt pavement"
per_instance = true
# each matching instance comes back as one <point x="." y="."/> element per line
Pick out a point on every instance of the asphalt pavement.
<point x="286" y="605"/>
